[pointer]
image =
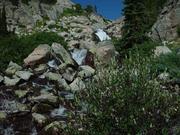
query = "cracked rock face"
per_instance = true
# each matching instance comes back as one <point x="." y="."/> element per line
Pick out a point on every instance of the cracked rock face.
<point x="166" y="25"/>
<point x="26" y="15"/>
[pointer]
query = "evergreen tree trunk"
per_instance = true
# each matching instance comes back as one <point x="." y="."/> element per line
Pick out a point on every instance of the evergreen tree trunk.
<point x="3" y="26"/>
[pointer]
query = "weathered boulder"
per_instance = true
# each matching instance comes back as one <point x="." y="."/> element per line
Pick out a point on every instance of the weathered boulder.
<point x="39" y="54"/>
<point x="166" y="25"/>
<point x="40" y="69"/>
<point x="105" y="52"/>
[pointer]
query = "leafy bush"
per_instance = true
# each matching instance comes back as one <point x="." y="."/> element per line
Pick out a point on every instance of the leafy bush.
<point x="15" y="48"/>
<point x="127" y="100"/>
<point x="170" y="63"/>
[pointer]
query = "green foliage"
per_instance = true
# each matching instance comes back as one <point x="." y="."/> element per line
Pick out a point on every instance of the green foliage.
<point x="89" y="9"/>
<point x="15" y="48"/>
<point x="134" y="28"/>
<point x="51" y="2"/>
<point x="127" y="100"/>
<point x="15" y="2"/>
<point x="170" y="63"/>
<point x="178" y="30"/>
<point x="25" y="1"/>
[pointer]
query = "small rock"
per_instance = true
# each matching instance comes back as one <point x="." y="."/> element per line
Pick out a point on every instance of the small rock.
<point x="40" y="69"/>
<point x="11" y="82"/>
<point x="86" y="72"/>
<point x="21" y="93"/>
<point x="77" y="85"/>
<point x="3" y="116"/>
<point x="53" y="76"/>
<point x="25" y="75"/>
<point x="40" y="119"/>
<point x="161" y="50"/>
<point x="55" y="128"/>
<point x="46" y="98"/>
<point x="12" y="68"/>
<point x="38" y="55"/>
<point x="61" y="54"/>
<point x="69" y="74"/>
<point x="164" y="76"/>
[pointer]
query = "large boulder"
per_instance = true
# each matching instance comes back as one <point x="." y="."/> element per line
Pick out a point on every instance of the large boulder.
<point x="105" y="52"/>
<point x="61" y="54"/>
<point x="25" y="75"/>
<point x="166" y="25"/>
<point x="38" y="55"/>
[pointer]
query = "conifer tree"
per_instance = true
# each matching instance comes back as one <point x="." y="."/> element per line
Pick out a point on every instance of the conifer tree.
<point x="133" y="30"/>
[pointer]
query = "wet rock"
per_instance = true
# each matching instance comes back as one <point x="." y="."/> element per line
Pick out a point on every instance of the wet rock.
<point x="162" y="50"/>
<point x="61" y="112"/>
<point x="40" y="69"/>
<point x="79" y="55"/>
<point x="46" y="98"/>
<point x="12" y="68"/>
<point x="86" y="72"/>
<point x="38" y="55"/>
<point x="40" y="119"/>
<point x="55" y="128"/>
<point x="77" y="85"/>
<point x="53" y="64"/>
<point x="21" y="93"/>
<point x="61" y="54"/>
<point x="3" y="116"/>
<point x="25" y="75"/>
<point x="11" y="82"/>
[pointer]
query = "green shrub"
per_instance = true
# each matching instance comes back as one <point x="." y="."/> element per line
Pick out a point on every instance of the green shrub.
<point x="89" y="9"/>
<point x="25" y="1"/>
<point x="126" y="100"/>
<point x="170" y="63"/>
<point x="16" y="49"/>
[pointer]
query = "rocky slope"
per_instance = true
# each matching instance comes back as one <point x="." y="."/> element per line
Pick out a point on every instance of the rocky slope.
<point x="166" y="25"/>
<point x="37" y="97"/>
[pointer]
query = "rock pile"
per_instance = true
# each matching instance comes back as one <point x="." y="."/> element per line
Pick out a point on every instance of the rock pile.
<point x="41" y="92"/>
